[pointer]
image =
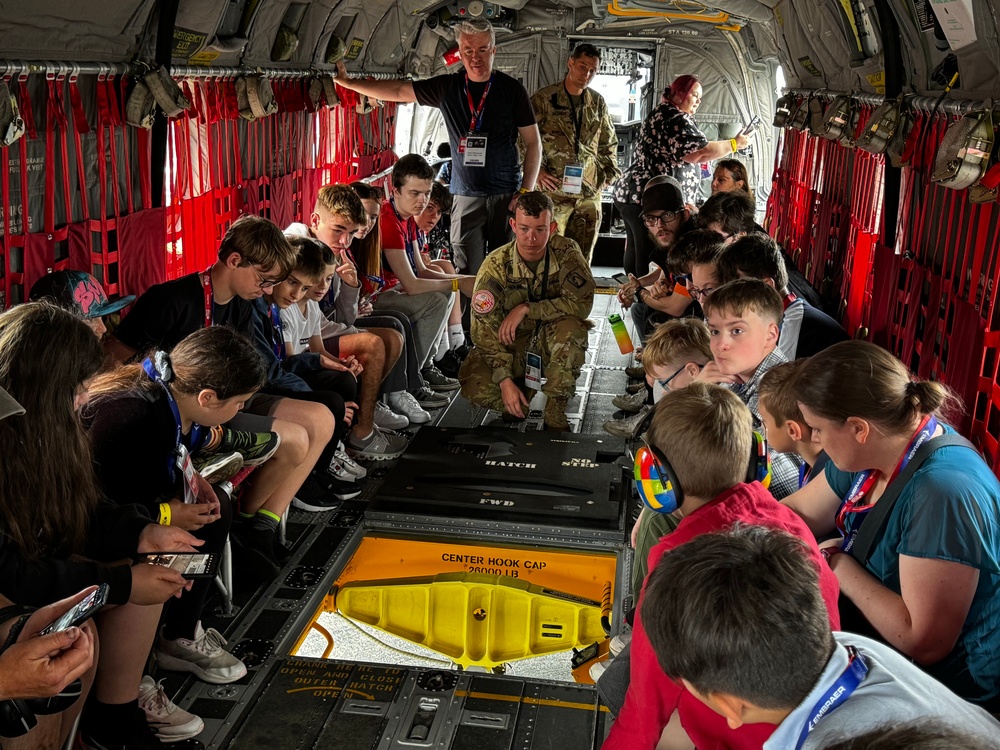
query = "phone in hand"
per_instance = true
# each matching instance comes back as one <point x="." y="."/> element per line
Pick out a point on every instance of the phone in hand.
<point x="751" y="126"/>
<point x="621" y="278"/>
<point x="191" y="565"/>
<point x="79" y="613"/>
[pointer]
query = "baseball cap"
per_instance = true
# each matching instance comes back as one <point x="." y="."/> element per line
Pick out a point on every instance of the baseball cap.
<point x="662" y="194"/>
<point x="8" y="406"/>
<point x="78" y="291"/>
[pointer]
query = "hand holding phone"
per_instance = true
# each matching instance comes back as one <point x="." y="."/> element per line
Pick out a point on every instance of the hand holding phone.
<point x="191" y="565"/>
<point x="621" y="278"/>
<point x="750" y="126"/>
<point x="80" y="612"/>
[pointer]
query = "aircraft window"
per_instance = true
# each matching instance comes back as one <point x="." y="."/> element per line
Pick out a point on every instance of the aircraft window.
<point x="620" y="80"/>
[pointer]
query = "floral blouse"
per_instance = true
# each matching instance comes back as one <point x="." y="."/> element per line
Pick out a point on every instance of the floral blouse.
<point x="665" y="138"/>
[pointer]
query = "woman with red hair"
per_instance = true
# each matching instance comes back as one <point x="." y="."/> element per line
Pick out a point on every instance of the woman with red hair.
<point x="669" y="143"/>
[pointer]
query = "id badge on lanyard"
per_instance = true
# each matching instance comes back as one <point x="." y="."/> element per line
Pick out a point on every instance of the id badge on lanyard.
<point x="572" y="179"/>
<point x="473" y="150"/>
<point x="188" y="473"/>
<point x="533" y="371"/>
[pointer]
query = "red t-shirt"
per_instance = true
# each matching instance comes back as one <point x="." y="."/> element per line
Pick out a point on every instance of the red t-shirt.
<point x="396" y="234"/>
<point x="652" y="696"/>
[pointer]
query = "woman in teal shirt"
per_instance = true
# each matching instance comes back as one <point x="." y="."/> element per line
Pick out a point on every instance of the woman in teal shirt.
<point x="931" y="586"/>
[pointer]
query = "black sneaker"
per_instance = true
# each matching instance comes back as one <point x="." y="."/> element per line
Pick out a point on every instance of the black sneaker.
<point x="429" y="399"/>
<point x="462" y="351"/>
<point x="438" y="381"/>
<point x="135" y="735"/>
<point x="321" y="492"/>
<point x="255" y="447"/>
<point x="449" y="364"/>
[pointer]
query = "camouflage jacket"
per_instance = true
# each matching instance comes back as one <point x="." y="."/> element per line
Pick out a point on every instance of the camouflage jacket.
<point x="598" y="143"/>
<point x="504" y="282"/>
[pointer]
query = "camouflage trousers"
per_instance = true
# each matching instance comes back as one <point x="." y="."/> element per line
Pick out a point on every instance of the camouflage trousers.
<point x="562" y="345"/>
<point x="578" y="220"/>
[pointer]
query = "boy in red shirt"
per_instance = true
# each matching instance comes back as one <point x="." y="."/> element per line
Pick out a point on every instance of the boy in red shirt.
<point x="704" y="433"/>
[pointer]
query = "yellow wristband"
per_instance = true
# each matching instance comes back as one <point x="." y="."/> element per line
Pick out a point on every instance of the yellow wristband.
<point x="523" y="190"/>
<point x="734" y="144"/>
<point x="454" y="285"/>
<point x="164" y="514"/>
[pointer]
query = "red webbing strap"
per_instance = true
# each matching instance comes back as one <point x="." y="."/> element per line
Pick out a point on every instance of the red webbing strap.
<point x="127" y="133"/>
<point x="80" y="126"/>
<point x="100" y="224"/>
<point x="51" y="124"/>
<point x="5" y="244"/>
<point x="112" y="113"/>
<point x="986" y="221"/>
<point x="27" y="111"/>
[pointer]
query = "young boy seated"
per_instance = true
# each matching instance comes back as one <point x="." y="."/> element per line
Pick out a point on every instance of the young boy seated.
<point x="805" y="330"/>
<point x="704" y="433"/>
<point x="768" y="657"/>
<point x="451" y="347"/>
<point x="787" y="431"/>
<point x="744" y="319"/>
<point x="301" y="322"/>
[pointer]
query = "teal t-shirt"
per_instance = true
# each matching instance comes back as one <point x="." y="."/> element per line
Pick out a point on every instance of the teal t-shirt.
<point x="949" y="510"/>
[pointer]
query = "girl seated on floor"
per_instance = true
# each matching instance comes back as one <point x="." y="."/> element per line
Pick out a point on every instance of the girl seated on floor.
<point x="143" y="420"/>
<point x="58" y="534"/>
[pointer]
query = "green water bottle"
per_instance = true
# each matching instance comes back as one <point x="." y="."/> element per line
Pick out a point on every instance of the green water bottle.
<point x="621" y="333"/>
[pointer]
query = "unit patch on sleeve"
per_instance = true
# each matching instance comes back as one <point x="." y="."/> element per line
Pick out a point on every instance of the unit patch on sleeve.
<point x="483" y="302"/>
<point x="576" y="279"/>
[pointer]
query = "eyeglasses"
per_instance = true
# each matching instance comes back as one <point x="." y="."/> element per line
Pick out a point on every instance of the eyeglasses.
<point x="651" y="220"/>
<point x="262" y="282"/>
<point x="681" y="278"/>
<point x="665" y="384"/>
<point x="700" y="294"/>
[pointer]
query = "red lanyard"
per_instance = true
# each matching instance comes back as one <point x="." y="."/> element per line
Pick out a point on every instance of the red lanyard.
<point x="867" y="479"/>
<point x="788" y="301"/>
<point x="206" y="282"/>
<point x="477" y="112"/>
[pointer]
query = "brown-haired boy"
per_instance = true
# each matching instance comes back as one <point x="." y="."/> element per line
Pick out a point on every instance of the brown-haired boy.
<point x="744" y="321"/>
<point x="787" y="431"/>
<point x="705" y="433"/>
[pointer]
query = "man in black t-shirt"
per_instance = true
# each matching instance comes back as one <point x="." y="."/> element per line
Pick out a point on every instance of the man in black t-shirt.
<point x="485" y="111"/>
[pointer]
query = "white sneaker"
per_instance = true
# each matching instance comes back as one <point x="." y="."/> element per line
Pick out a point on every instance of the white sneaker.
<point x="338" y="471"/>
<point x="170" y="722"/>
<point x="619" y="642"/>
<point x="204" y="657"/>
<point x="597" y="669"/>
<point x="403" y="403"/>
<point x="349" y="463"/>
<point x="388" y="419"/>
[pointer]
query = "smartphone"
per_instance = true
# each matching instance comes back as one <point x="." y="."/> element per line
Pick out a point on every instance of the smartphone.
<point x="188" y="564"/>
<point x="751" y="126"/>
<point x="79" y="613"/>
<point x="621" y="278"/>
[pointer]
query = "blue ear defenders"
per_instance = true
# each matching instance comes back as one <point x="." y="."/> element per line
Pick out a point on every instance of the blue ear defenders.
<point x="657" y="483"/>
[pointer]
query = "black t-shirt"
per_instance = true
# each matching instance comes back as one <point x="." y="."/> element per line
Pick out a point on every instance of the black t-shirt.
<point x="168" y="312"/>
<point x="507" y="108"/>
<point x="818" y="332"/>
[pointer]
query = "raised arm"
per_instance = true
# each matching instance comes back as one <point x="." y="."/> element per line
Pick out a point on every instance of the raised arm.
<point x="716" y="150"/>
<point x="387" y="91"/>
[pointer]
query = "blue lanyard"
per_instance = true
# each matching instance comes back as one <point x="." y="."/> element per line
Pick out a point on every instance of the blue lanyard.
<point x="194" y="439"/>
<point x="277" y="332"/>
<point x="867" y="479"/>
<point x="838" y="693"/>
<point x="803" y="470"/>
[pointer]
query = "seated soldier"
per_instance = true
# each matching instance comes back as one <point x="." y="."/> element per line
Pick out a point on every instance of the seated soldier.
<point x="532" y="297"/>
<point x="805" y="330"/>
<point x="743" y="321"/>
<point x="768" y="657"/>
<point x="786" y="428"/>
<point x="81" y="294"/>
<point x="700" y="451"/>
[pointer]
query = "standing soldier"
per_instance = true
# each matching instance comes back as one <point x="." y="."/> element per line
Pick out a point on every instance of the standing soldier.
<point x="529" y="318"/>
<point x="579" y="148"/>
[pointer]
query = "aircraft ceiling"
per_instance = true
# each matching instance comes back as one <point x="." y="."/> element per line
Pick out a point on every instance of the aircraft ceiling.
<point x="817" y="43"/>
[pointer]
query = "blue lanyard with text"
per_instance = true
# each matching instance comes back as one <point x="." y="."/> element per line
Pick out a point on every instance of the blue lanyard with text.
<point x="838" y="693"/>
<point x="867" y="479"/>
<point x="194" y="439"/>
<point x="277" y="332"/>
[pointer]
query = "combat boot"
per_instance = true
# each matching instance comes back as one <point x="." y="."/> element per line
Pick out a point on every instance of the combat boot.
<point x="555" y="414"/>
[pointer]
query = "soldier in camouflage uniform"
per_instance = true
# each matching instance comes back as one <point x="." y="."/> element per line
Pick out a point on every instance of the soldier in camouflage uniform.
<point x="531" y="295"/>
<point x="576" y="130"/>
